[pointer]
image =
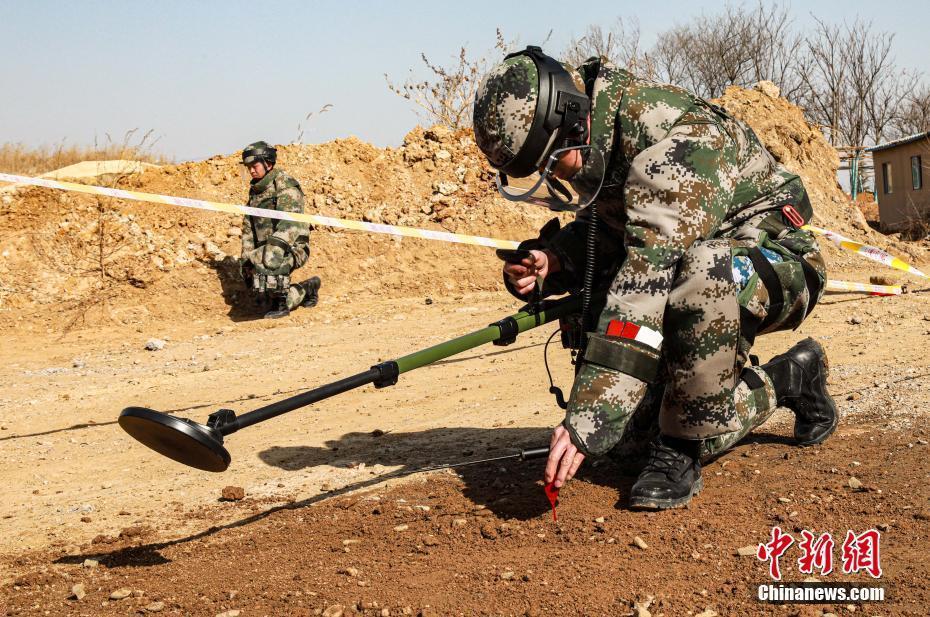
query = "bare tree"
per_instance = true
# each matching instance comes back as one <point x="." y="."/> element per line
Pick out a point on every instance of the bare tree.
<point x="446" y="97"/>
<point x="913" y="114"/>
<point x="670" y="56"/>
<point x="854" y="87"/>
<point x="706" y="55"/>
<point x="873" y="84"/>
<point x="722" y="49"/>
<point x="887" y="102"/>
<point x="620" y="44"/>
<point x="826" y="78"/>
<point x="736" y="47"/>
<point x="773" y="50"/>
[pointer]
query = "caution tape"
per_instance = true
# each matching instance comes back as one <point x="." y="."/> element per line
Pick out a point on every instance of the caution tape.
<point x="885" y="290"/>
<point x="313" y="219"/>
<point x="871" y="252"/>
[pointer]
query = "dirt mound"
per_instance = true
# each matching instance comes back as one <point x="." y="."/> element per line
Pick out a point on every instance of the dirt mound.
<point x="801" y="148"/>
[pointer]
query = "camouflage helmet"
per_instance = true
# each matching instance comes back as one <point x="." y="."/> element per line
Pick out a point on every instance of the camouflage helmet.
<point x="526" y="107"/>
<point x="259" y="151"/>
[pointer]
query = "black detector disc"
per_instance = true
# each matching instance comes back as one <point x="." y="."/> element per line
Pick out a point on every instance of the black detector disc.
<point x="179" y="439"/>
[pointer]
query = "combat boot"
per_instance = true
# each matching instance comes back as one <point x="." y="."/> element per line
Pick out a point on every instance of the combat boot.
<point x="800" y="380"/>
<point x="671" y="477"/>
<point x="311" y="291"/>
<point x="279" y="308"/>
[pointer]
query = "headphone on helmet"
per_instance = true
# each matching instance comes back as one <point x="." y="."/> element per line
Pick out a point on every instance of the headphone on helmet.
<point x="561" y="115"/>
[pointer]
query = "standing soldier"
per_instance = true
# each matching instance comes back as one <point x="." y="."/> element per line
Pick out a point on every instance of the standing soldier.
<point x="273" y="248"/>
<point x="695" y="241"/>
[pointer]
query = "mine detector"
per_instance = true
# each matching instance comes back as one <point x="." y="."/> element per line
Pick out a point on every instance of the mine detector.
<point x="202" y="445"/>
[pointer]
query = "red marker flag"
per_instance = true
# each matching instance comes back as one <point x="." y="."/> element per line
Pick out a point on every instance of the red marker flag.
<point x="553" y="494"/>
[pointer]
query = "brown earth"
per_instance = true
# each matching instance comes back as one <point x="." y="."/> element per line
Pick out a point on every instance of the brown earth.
<point x="73" y="487"/>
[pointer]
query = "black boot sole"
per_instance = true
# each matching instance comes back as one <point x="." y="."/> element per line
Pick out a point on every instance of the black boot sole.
<point x="651" y="503"/>
<point x="823" y="437"/>
<point x="276" y="314"/>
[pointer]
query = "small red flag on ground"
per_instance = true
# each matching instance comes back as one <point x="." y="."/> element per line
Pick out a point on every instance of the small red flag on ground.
<point x="553" y="494"/>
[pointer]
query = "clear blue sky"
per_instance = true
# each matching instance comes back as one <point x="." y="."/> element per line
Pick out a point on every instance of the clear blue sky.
<point x="209" y="77"/>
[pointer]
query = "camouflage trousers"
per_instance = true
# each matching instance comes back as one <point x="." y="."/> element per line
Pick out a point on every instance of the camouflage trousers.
<point x="702" y="390"/>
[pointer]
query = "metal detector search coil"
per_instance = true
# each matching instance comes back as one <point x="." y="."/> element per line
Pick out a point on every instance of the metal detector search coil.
<point x="180" y="439"/>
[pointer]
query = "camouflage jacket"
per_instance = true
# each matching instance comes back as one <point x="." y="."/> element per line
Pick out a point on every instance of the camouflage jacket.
<point x="679" y="170"/>
<point x="276" y="191"/>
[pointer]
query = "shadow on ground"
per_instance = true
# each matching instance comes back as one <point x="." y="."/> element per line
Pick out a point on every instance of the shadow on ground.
<point x="510" y="489"/>
<point x="243" y="305"/>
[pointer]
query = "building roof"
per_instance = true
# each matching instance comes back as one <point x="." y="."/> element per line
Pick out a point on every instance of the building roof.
<point x="899" y="142"/>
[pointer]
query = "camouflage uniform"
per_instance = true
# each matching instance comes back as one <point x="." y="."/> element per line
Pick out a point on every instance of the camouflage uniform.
<point x="690" y="204"/>
<point x="277" y="191"/>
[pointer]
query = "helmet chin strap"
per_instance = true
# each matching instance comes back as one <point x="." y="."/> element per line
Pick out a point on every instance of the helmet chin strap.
<point x="550" y="147"/>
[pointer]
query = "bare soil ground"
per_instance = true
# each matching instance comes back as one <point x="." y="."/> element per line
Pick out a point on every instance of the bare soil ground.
<point x="74" y="487"/>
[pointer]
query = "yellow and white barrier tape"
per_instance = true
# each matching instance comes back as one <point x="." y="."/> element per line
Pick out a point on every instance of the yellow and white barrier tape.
<point x="313" y="219"/>
<point x="886" y="290"/>
<point x="871" y="252"/>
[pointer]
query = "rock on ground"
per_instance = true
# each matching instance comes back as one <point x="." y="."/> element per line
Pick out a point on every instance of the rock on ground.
<point x="233" y="493"/>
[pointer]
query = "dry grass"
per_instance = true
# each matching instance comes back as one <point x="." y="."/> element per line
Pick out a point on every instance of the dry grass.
<point x="18" y="158"/>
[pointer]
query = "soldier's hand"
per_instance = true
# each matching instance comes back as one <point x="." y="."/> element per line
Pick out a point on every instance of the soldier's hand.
<point x="247" y="263"/>
<point x="564" y="458"/>
<point x="523" y="275"/>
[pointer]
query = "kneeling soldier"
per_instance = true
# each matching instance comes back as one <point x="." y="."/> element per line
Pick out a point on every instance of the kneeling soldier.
<point x="273" y="248"/>
<point x="693" y="232"/>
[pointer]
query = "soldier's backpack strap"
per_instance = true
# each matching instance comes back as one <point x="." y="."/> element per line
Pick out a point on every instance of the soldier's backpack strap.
<point x="772" y="284"/>
<point x="812" y="281"/>
<point x="255" y="242"/>
<point x="751" y="378"/>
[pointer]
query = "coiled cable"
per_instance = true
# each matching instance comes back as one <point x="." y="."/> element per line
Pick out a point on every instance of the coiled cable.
<point x="588" y="281"/>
